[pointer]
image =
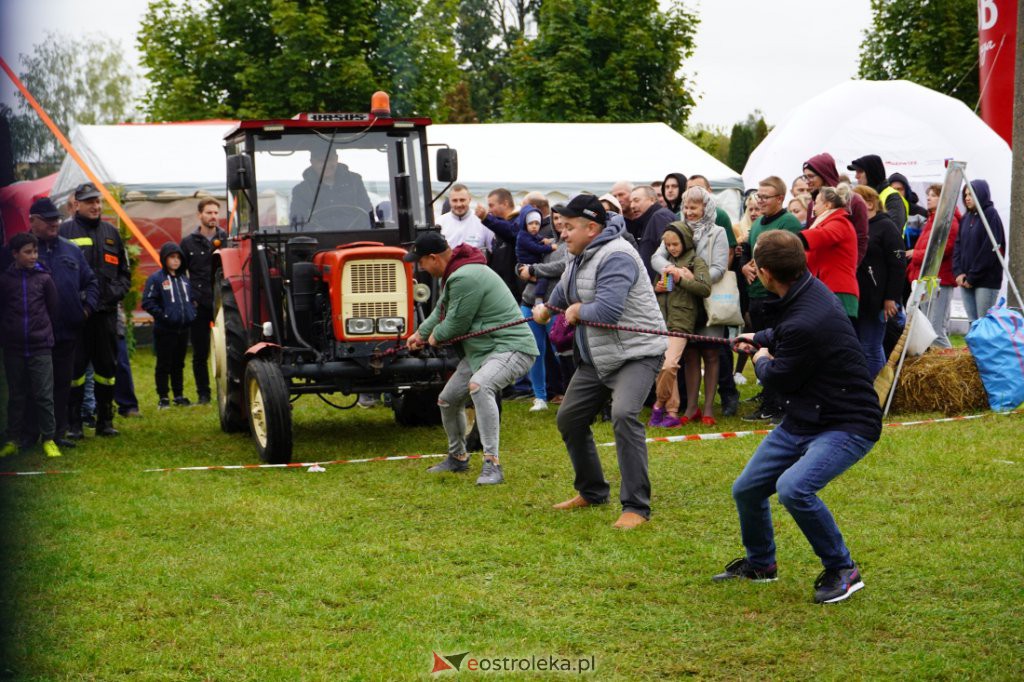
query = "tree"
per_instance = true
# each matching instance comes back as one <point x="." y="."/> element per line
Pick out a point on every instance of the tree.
<point x="712" y="139"/>
<point x="602" y="60"/>
<point x="274" y="58"/>
<point x="76" y="81"/>
<point x="929" y="42"/>
<point x="745" y="137"/>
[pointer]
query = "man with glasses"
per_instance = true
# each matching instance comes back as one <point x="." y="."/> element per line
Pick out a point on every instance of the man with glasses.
<point x="771" y="192"/>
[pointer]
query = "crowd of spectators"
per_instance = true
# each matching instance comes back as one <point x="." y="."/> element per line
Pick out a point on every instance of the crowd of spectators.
<point x="864" y="239"/>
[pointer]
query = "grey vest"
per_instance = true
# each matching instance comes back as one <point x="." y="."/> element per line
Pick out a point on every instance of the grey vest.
<point x="609" y="349"/>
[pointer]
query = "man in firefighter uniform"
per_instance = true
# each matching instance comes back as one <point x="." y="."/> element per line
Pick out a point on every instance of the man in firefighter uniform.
<point x="103" y="249"/>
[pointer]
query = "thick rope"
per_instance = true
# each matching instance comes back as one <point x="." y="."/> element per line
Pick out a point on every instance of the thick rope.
<point x="602" y="325"/>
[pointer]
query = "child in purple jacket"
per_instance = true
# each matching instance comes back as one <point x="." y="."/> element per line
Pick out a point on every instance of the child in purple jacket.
<point x="28" y="306"/>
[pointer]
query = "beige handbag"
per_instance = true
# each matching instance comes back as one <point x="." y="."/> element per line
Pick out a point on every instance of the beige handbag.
<point x="723" y="305"/>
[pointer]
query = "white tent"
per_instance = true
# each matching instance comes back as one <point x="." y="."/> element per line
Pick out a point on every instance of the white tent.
<point x="565" y="158"/>
<point x="561" y="158"/>
<point x="912" y="128"/>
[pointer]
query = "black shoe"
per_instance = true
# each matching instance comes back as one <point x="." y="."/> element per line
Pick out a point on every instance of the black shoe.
<point x="89" y="420"/>
<point x="450" y="464"/>
<point x="204" y="399"/>
<point x="75" y="432"/>
<point x="756" y="399"/>
<point x="182" y="401"/>
<point x="163" y="404"/>
<point x="730" y="405"/>
<point x="761" y="415"/>
<point x="65" y="443"/>
<point x="106" y="429"/>
<point x="776" y="419"/>
<point x="836" y="584"/>
<point x="741" y="568"/>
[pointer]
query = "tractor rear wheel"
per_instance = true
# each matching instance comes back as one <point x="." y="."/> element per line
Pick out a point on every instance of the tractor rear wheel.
<point x="270" y="412"/>
<point x="227" y="356"/>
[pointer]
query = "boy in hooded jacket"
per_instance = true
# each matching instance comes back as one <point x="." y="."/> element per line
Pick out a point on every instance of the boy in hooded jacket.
<point x="28" y="307"/>
<point x="168" y="298"/>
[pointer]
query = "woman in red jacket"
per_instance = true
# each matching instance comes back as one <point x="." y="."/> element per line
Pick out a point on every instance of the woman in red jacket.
<point x="937" y="308"/>
<point x="831" y="243"/>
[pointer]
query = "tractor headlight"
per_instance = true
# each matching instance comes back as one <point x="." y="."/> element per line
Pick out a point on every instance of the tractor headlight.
<point x="390" y="325"/>
<point x="359" y="325"/>
<point x="421" y="293"/>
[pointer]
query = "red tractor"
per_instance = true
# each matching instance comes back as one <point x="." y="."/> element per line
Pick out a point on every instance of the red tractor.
<point x="311" y="293"/>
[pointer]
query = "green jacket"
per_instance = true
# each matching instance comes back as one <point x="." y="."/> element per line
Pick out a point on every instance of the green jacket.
<point x="679" y="307"/>
<point x="785" y="221"/>
<point x="473" y="298"/>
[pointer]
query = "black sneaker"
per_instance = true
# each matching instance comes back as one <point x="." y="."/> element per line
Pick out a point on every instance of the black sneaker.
<point x="75" y="432"/>
<point x="730" y="405"/>
<point x="761" y="415"/>
<point x="836" y="584"/>
<point x="741" y="568"/>
<point x="451" y="464"/>
<point x="755" y="399"/>
<point x="163" y="404"/>
<point x="182" y="401"/>
<point x="204" y="399"/>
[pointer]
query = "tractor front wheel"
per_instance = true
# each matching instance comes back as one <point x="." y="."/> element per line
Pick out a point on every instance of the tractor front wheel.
<point x="270" y="412"/>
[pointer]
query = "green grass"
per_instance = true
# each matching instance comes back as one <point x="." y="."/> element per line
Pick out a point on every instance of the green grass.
<point x="362" y="571"/>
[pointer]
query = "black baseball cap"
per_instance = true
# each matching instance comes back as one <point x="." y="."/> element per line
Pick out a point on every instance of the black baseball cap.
<point x="44" y="208"/>
<point x="584" y="206"/>
<point x="426" y="244"/>
<point x="86" y="190"/>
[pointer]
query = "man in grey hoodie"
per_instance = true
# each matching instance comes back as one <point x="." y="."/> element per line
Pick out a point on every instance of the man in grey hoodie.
<point x="606" y="282"/>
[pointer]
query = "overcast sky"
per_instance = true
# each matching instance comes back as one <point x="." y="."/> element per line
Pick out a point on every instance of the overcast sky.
<point x="769" y="55"/>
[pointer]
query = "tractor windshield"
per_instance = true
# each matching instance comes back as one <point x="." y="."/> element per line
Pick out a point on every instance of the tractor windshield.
<point x="317" y="180"/>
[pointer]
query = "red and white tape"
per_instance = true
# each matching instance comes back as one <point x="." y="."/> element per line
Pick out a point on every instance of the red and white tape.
<point x="33" y="473"/>
<point x="296" y="465"/>
<point x="760" y="432"/>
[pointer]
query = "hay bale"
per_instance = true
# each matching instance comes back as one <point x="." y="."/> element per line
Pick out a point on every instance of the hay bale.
<point x="944" y="381"/>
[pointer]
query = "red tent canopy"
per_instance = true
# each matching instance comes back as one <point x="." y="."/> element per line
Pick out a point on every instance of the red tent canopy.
<point x="16" y="199"/>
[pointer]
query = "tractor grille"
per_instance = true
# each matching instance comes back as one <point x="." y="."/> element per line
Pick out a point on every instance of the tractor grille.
<point x="373" y="289"/>
<point x="374" y="278"/>
<point x="375" y="309"/>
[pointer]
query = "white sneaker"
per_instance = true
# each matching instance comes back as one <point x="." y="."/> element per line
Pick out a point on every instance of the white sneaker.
<point x="739" y="379"/>
<point x="539" y="405"/>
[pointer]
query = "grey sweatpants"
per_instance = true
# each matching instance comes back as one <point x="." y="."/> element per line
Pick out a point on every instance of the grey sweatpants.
<point x="628" y="387"/>
<point x="497" y="372"/>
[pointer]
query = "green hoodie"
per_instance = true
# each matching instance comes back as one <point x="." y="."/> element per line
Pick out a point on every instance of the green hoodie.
<point x="474" y="297"/>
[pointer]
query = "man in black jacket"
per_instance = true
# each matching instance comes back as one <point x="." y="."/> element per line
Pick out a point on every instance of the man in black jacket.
<point x="104" y="251"/>
<point x="813" y="359"/>
<point x="652" y="219"/>
<point x="197" y="249"/>
<point x="870" y="170"/>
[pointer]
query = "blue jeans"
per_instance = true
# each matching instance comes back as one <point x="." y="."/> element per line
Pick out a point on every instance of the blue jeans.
<point x="796" y="467"/>
<point x="977" y="301"/>
<point x="538" y="371"/>
<point x="871" y="332"/>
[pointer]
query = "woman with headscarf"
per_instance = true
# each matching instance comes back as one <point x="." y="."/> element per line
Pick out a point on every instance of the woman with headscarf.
<point x="975" y="264"/>
<point x="712" y="244"/>
<point x="672" y="188"/>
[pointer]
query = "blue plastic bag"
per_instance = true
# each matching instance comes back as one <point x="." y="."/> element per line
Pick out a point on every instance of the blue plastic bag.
<point x="997" y="344"/>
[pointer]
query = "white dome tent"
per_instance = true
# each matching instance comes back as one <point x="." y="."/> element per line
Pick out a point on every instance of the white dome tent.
<point x="914" y="129"/>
